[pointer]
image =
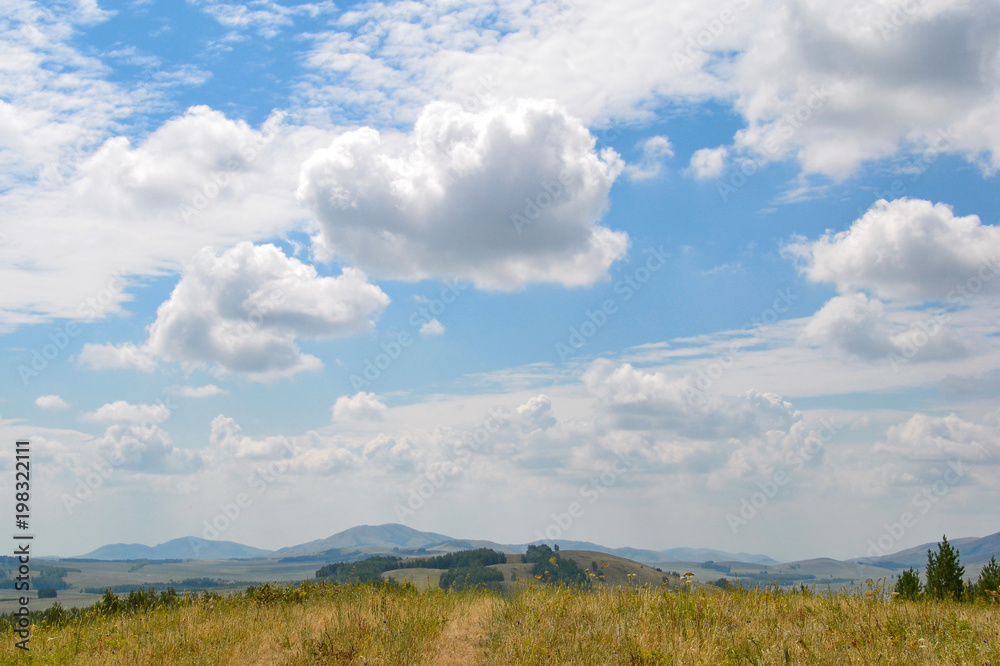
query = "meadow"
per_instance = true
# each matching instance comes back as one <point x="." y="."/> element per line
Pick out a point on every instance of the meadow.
<point x="529" y="623"/>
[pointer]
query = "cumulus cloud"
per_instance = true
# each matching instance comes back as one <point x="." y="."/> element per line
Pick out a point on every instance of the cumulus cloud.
<point x="125" y="356"/>
<point x="536" y="414"/>
<point x="907" y="249"/>
<point x="147" y="449"/>
<point x="359" y="407"/>
<point x="708" y="162"/>
<point x="50" y="402"/>
<point x="831" y="85"/>
<point x="241" y="312"/>
<point x="655" y="150"/>
<point x="650" y="400"/>
<point x="227" y="440"/>
<point x="206" y="391"/>
<point x="859" y="325"/>
<point x="143" y="208"/>
<point x="121" y="411"/>
<point x="432" y="327"/>
<point x="505" y="197"/>
<point x="924" y="437"/>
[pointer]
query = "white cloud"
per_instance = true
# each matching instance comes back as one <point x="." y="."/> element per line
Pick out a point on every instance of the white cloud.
<point x="50" y="402"/>
<point x="906" y="249"/>
<point x="432" y="327"/>
<point x="944" y="438"/>
<point x="505" y="197"/>
<point x="860" y="326"/>
<point x="144" y="208"/>
<point x="708" y="162"/>
<point x="241" y="312"/>
<point x="359" y="407"/>
<point x="264" y="16"/>
<point x="228" y="441"/>
<point x="206" y="391"/>
<point x="927" y="81"/>
<point x="655" y="150"/>
<point x="641" y="400"/>
<point x="121" y="411"/>
<point x="147" y="449"/>
<point x="121" y="357"/>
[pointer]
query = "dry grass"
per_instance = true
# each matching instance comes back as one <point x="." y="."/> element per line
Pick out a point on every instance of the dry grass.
<point x="329" y="624"/>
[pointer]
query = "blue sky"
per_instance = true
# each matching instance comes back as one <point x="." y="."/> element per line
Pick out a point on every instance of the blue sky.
<point x="728" y="242"/>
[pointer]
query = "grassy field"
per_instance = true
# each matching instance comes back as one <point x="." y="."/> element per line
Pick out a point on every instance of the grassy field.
<point x="321" y="623"/>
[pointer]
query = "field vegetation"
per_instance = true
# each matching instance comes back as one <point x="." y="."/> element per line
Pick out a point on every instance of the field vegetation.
<point x="532" y="623"/>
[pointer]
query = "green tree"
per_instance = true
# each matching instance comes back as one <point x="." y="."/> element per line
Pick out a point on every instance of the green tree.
<point x="945" y="572"/>
<point x="909" y="586"/>
<point x="989" y="580"/>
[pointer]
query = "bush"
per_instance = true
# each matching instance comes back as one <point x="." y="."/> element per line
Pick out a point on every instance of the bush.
<point x="466" y="578"/>
<point x="46" y="593"/>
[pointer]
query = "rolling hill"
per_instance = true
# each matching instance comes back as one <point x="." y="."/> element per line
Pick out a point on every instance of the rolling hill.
<point x="972" y="550"/>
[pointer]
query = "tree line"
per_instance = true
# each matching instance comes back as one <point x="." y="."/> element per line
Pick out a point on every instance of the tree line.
<point x="946" y="578"/>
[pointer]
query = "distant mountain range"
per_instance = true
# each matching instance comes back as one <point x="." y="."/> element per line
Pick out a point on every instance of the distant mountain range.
<point x="358" y="542"/>
<point x="182" y="549"/>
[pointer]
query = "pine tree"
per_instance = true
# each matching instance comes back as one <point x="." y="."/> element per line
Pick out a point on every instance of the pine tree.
<point x="944" y="573"/>
<point x="989" y="579"/>
<point x="909" y="586"/>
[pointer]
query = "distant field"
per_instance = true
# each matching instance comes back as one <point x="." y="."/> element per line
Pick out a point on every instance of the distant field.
<point x="323" y="623"/>
<point x="110" y="574"/>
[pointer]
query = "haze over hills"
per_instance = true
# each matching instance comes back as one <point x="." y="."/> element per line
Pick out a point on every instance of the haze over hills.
<point x="182" y="548"/>
<point x="361" y="541"/>
<point x="972" y="550"/>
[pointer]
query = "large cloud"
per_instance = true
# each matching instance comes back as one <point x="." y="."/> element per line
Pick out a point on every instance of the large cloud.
<point x="241" y="312"/>
<point x="145" y="207"/>
<point x="891" y="76"/>
<point x="951" y="437"/>
<point x="859" y="325"/>
<point x="906" y="249"/>
<point x="651" y="400"/>
<point x="505" y="197"/>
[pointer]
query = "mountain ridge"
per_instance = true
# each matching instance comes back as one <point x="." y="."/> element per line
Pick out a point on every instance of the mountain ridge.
<point x="394" y="538"/>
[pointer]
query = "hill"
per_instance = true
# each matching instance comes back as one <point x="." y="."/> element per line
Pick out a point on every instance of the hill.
<point x="370" y="539"/>
<point x="182" y="548"/>
<point x="975" y="551"/>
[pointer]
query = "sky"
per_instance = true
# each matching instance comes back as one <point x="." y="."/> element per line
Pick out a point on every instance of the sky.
<point x="718" y="274"/>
